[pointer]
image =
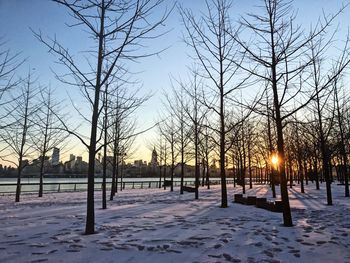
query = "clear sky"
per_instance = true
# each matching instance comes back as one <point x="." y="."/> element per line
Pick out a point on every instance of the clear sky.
<point x="18" y="16"/>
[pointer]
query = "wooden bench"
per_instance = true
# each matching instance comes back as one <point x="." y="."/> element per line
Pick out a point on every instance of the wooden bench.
<point x="167" y="183"/>
<point x="251" y="200"/>
<point x="238" y="198"/>
<point x="274" y="206"/>
<point x="260" y="202"/>
<point x="278" y="206"/>
<point x="188" y="189"/>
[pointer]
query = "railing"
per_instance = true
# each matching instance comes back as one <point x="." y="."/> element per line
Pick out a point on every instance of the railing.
<point x="7" y="188"/>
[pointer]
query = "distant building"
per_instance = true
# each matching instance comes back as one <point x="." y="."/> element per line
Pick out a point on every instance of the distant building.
<point x="55" y="158"/>
<point x="139" y="163"/>
<point x="75" y="165"/>
<point x="71" y="157"/>
<point x="154" y="158"/>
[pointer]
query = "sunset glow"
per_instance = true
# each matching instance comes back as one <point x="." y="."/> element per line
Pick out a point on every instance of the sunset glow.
<point x="274" y="160"/>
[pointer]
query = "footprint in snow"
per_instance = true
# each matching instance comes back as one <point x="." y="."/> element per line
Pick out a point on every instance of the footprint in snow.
<point x="39" y="260"/>
<point x="38" y="245"/>
<point x="307" y="244"/>
<point x="217" y="246"/>
<point x="73" y="250"/>
<point x="229" y="258"/>
<point x="268" y="253"/>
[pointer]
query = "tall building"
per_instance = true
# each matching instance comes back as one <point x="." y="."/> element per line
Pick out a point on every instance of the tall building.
<point x="154" y="159"/>
<point x="55" y="158"/>
<point x="71" y="157"/>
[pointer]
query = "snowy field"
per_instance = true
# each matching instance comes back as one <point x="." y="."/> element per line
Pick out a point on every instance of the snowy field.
<point x="154" y="225"/>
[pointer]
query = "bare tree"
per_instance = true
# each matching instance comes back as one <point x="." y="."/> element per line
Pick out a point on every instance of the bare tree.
<point x="177" y="104"/>
<point x="117" y="28"/>
<point x="168" y="131"/>
<point x="341" y="134"/>
<point x="195" y="114"/>
<point x="123" y="104"/>
<point x="49" y="132"/>
<point x="16" y="135"/>
<point x="207" y="146"/>
<point x="216" y="53"/>
<point x="279" y="56"/>
<point x="105" y="145"/>
<point x="322" y="81"/>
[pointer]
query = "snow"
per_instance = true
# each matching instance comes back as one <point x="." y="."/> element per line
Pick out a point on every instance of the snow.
<point x="153" y="225"/>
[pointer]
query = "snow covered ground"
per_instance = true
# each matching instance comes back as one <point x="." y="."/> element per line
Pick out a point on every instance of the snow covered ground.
<point x="153" y="225"/>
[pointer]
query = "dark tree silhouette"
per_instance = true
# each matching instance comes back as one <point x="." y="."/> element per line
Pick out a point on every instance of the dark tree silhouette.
<point x="217" y="55"/>
<point x="20" y="114"/>
<point x="277" y="56"/>
<point x="341" y="135"/>
<point x="114" y="42"/>
<point x="176" y="105"/>
<point x="49" y="132"/>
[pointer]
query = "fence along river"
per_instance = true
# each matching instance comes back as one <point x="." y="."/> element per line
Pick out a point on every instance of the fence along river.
<point x="31" y="185"/>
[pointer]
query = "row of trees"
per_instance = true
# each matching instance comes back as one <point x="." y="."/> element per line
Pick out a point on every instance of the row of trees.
<point x="27" y="119"/>
<point x="118" y="30"/>
<point x="291" y="88"/>
<point x="300" y="93"/>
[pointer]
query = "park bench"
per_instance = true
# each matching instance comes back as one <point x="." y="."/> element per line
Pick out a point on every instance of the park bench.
<point x="167" y="183"/>
<point x="274" y="206"/>
<point x="188" y="189"/>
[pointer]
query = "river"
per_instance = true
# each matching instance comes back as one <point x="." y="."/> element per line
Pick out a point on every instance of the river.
<point x="8" y="185"/>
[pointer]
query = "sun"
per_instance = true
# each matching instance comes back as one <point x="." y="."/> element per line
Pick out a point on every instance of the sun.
<point x="274" y="160"/>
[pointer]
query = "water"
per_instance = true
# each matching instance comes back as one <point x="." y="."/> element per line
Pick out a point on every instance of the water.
<point x="75" y="180"/>
<point x="80" y="184"/>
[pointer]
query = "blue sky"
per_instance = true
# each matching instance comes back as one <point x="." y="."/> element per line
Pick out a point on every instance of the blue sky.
<point x="18" y="16"/>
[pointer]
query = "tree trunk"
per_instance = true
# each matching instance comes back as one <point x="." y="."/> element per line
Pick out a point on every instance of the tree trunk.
<point x="172" y="165"/>
<point x="18" y="186"/>
<point x="222" y="149"/>
<point x="290" y="172"/>
<point x="90" y="214"/>
<point x="250" y="166"/>
<point x="203" y="172"/>
<point x="182" y="166"/>
<point x="196" y="157"/>
<point x="324" y="151"/>
<point x="44" y="150"/>
<point x="160" y="175"/>
<point x="104" y="168"/>
<point x="23" y="140"/>
<point x="113" y="186"/>
<point x="121" y="170"/>
<point x="287" y="215"/>
<point x="207" y="173"/>
<point x="42" y="162"/>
